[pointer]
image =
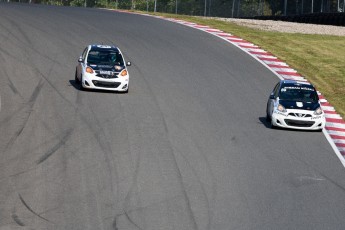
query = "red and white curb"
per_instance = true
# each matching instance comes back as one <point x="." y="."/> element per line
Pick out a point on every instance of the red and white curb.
<point x="335" y="126"/>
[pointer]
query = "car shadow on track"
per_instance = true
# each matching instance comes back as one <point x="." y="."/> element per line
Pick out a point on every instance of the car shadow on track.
<point x="77" y="87"/>
<point x="265" y="122"/>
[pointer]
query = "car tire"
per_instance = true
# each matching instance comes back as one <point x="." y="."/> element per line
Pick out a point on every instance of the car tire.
<point x="81" y="84"/>
<point x="76" y="78"/>
<point x="268" y="118"/>
<point x="272" y="126"/>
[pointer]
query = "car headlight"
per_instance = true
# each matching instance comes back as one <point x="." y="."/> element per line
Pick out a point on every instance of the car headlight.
<point x="281" y="108"/>
<point x="89" y="70"/>
<point x="123" y="73"/>
<point x="318" y="111"/>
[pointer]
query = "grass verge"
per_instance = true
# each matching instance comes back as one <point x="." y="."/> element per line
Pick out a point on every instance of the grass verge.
<point x="319" y="58"/>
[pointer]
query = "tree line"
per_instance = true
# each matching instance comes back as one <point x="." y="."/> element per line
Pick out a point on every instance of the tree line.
<point x="211" y="8"/>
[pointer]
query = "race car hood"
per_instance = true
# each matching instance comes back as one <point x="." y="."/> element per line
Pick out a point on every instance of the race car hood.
<point x="299" y="105"/>
<point x="105" y="68"/>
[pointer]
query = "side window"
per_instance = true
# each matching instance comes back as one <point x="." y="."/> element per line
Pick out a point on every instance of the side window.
<point x="276" y="90"/>
<point x="84" y="54"/>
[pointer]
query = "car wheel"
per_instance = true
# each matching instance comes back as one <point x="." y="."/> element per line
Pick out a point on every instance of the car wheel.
<point x="272" y="126"/>
<point x="76" y="78"/>
<point x="268" y="118"/>
<point x="81" y="84"/>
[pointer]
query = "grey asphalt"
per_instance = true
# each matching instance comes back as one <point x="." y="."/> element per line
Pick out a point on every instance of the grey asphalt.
<point x="187" y="149"/>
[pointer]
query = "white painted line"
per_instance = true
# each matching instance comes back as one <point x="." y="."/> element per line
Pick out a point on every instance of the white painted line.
<point x="334" y="147"/>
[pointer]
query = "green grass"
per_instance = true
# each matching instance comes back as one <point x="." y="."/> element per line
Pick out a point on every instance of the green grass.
<point x="319" y="58"/>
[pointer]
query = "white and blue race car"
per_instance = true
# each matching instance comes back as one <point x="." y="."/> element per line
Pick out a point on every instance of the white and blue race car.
<point x="295" y="105"/>
<point x="102" y="67"/>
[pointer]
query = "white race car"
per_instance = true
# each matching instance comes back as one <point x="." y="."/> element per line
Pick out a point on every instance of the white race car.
<point x="295" y="105"/>
<point x="102" y="67"/>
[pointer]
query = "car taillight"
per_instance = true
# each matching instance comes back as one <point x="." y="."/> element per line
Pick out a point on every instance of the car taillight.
<point x="89" y="70"/>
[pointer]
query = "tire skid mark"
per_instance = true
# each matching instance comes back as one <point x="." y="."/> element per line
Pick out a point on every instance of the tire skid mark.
<point x="209" y="169"/>
<point x="115" y="223"/>
<point x="106" y="149"/>
<point x="29" y="44"/>
<point x="13" y="88"/>
<point x="178" y="171"/>
<point x="5" y="120"/>
<point x="135" y="176"/>
<point x="15" y="26"/>
<point x="127" y="212"/>
<point x="32" y="211"/>
<point x="172" y="152"/>
<point x="323" y="176"/>
<point x="131" y="221"/>
<point x="6" y="37"/>
<point x="203" y="190"/>
<point x="17" y="220"/>
<point x="189" y="206"/>
<point x="133" y="186"/>
<point x="25" y="46"/>
<point x="30" y="106"/>
<point x="12" y="56"/>
<point x="56" y="147"/>
<point x="10" y="83"/>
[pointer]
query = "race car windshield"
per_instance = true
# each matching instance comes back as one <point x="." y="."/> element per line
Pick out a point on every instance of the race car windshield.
<point x="104" y="57"/>
<point x="296" y="93"/>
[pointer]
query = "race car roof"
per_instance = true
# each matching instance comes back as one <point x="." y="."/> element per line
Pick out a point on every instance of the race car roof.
<point x="293" y="82"/>
<point x="104" y="47"/>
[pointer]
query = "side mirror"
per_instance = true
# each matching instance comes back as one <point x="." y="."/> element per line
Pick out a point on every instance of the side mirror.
<point x="128" y="63"/>
<point x="272" y="96"/>
<point x="80" y="59"/>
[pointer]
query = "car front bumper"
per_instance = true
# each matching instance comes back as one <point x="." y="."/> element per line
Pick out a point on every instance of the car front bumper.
<point x="119" y="84"/>
<point x="308" y="122"/>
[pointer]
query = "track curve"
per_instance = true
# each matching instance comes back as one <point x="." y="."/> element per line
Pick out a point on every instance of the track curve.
<point x="187" y="148"/>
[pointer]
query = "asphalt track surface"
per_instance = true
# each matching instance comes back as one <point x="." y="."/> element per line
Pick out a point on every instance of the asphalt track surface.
<point x="187" y="148"/>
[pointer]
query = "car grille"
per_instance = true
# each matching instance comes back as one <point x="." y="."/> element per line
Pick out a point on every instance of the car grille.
<point x="106" y="84"/>
<point x="296" y="123"/>
<point x="299" y="115"/>
<point x="106" y="76"/>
